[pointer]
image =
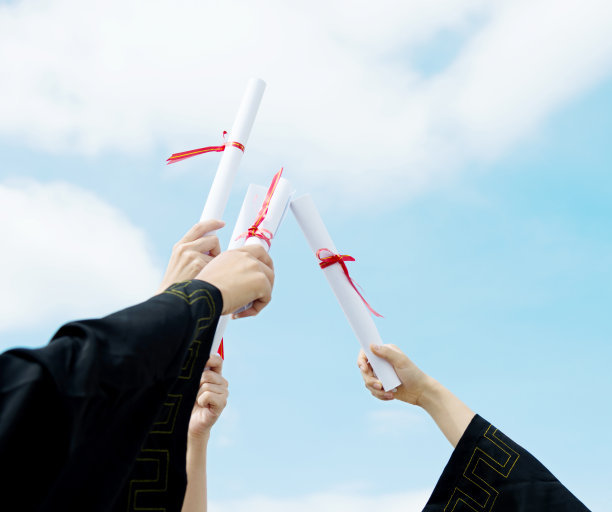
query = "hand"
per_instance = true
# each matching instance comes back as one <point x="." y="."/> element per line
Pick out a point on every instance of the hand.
<point x="414" y="381"/>
<point x="192" y="253"/>
<point x="450" y="414"/>
<point x="210" y="401"/>
<point x="242" y="276"/>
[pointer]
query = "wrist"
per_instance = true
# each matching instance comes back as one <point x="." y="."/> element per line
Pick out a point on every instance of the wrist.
<point x="198" y="438"/>
<point x="430" y="395"/>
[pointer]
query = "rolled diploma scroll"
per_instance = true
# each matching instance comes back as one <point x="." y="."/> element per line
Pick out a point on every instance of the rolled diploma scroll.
<point x="230" y="160"/>
<point x="276" y="213"/>
<point x="357" y="314"/>
<point x="248" y="212"/>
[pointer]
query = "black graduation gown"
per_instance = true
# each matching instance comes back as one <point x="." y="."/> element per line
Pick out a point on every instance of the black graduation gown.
<point x="488" y="472"/>
<point x="74" y="414"/>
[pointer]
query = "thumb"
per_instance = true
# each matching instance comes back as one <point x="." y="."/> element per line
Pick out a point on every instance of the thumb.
<point x="389" y="353"/>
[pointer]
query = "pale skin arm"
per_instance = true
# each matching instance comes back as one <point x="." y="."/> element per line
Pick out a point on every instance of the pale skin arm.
<point x="450" y="414"/>
<point x="209" y="404"/>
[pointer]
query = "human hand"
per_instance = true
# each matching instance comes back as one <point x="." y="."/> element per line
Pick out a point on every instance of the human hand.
<point x="450" y="414"/>
<point x="414" y="381"/>
<point x="192" y="253"/>
<point x="211" y="399"/>
<point x="242" y="276"/>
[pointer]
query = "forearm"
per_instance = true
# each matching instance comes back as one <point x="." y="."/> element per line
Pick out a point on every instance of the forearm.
<point x="450" y="414"/>
<point x="195" y="494"/>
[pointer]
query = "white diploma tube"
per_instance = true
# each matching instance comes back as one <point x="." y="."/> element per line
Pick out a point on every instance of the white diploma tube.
<point x="250" y="206"/>
<point x="279" y="203"/>
<point x="356" y="312"/>
<point x="228" y="166"/>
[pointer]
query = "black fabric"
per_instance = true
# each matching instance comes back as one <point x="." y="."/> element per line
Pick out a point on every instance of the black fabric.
<point x="488" y="472"/>
<point x="75" y="413"/>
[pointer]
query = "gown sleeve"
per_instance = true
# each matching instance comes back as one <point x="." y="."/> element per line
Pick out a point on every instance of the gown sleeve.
<point x="158" y="479"/>
<point x="74" y="414"/>
<point x="489" y="472"/>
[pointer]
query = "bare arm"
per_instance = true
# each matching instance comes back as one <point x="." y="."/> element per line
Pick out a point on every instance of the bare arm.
<point x="195" y="496"/>
<point x="450" y="414"/>
<point x="210" y="402"/>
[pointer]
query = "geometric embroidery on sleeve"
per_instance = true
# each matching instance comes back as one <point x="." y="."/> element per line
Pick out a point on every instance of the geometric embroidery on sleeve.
<point x="168" y="414"/>
<point x="474" y="492"/>
<point x="154" y="466"/>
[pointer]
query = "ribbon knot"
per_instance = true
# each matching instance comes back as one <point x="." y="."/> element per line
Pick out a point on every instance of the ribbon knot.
<point x="332" y="258"/>
<point x="263" y="234"/>
<point x="177" y="157"/>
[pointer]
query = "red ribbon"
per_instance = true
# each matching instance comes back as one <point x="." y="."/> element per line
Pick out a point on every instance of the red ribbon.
<point x="221" y="351"/>
<point x="177" y="157"/>
<point x="332" y="259"/>
<point x="263" y="234"/>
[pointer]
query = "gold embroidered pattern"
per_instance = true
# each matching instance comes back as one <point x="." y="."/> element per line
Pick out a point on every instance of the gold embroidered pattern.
<point x="166" y="425"/>
<point x="481" y="496"/>
<point x="155" y="464"/>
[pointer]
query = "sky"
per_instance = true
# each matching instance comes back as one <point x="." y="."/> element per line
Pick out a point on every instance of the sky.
<point x="459" y="150"/>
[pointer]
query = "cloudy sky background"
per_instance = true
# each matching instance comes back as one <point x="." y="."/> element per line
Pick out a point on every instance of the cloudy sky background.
<point x="460" y="149"/>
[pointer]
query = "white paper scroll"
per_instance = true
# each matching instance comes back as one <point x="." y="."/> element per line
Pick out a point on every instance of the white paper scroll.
<point x="250" y="206"/>
<point x="228" y="166"/>
<point x="276" y="213"/>
<point x="356" y="312"/>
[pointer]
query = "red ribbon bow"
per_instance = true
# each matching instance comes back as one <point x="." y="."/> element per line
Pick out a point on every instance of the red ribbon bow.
<point x="332" y="259"/>
<point x="263" y="234"/>
<point x="177" y="157"/>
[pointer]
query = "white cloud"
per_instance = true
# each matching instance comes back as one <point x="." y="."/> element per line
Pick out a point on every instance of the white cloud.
<point x="327" y="502"/>
<point x="67" y="254"/>
<point x="345" y="101"/>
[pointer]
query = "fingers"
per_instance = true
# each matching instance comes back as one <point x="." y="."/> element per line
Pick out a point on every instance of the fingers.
<point x="372" y="384"/>
<point x="213" y="391"/>
<point x="266" y="266"/>
<point x="214" y="364"/>
<point x="196" y="240"/>
<point x="364" y="365"/>
<point x="200" y="229"/>
<point x="243" y="276"/>
<point x="390" y="353"/>
<point x="210" y="377"/>
<point x="212" y="396"/>
<point x="259" y="253"/>
<point x="255" y="308"/>
<point x="206" y="244"/>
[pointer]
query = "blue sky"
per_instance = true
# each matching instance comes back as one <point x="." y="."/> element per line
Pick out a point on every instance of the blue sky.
<point x="467" y="170"/>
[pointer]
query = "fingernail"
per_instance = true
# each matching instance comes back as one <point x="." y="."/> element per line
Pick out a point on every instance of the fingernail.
<point x="375" y="347"/>
<point x="394" y="390"/>
<point x="388" y="395"/>
<point x="362" y="367"/>
<point x="378" y="385"/>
